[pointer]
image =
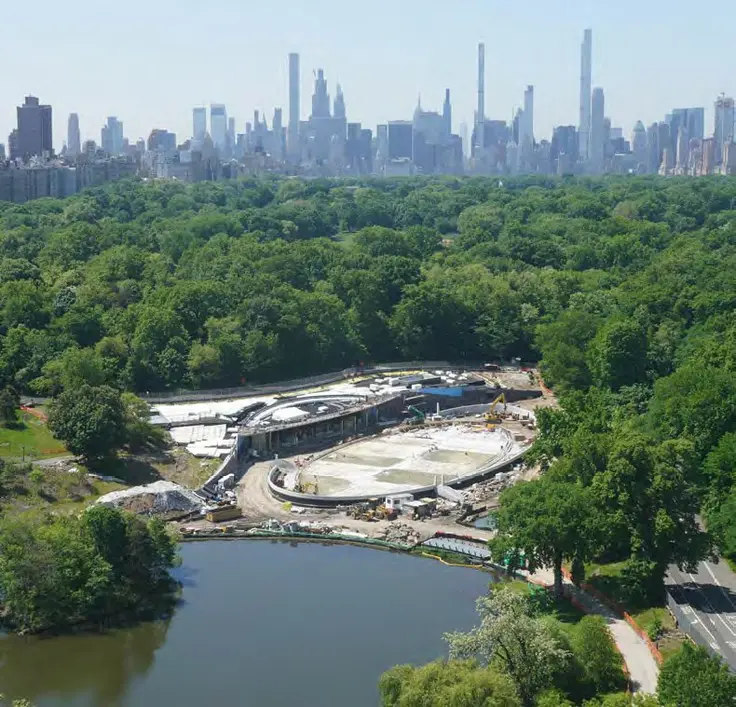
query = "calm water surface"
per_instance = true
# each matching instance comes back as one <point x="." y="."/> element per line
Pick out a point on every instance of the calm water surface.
<point x="262" y="624"/>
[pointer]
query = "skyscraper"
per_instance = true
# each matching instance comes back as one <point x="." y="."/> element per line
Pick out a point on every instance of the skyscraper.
<point x="73" y="139"/>
<point x="199" y="123"/>
<point x="527" y="131"/>
<point x="218" y="125"/>
<point x="639" y="145"/>
<point x="293" y="130"/>
<point x="724" y="125"/>
<point x="597" y="141"/>
<point x="447" y="115"/>
<point x="320" y="97"/>
<point x="339" y="107"/>
<point x="400" y="140"/>
<point x="112" y="136"/>
<point x="480" y="115"/>
<point x="34" y="128"/>
<point x="586" y="77"/>
<point x="231" y="131"/>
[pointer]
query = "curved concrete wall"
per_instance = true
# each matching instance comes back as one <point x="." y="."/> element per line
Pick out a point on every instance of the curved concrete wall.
<point x="305" y="499"/>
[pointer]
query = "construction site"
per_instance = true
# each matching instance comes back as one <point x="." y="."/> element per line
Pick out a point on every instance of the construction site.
<point x="428" y="447"/>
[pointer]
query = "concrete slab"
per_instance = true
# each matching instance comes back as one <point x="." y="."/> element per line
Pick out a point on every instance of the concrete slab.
<point x="402" y="460"/>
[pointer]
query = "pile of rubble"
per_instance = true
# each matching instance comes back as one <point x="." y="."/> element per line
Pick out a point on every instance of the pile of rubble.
<point x="399" y="534"/>
<point x="491" y="488"/>
<point x="161" y="498"/>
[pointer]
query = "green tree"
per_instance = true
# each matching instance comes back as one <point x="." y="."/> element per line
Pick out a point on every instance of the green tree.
<point x="618" y="354"/>
<point x="140" y="434"/>
<point x="89" y="420"/>
<point x="546" y="520"/>
<point x="446" y="684"/>
<point x="693" y="678"/>
<point x="9" y="404"/>
<point x="510" y="636"/>
<point x="598" y="656"/>
<point x="647" y="497"/>
<point x="61" y="571"/>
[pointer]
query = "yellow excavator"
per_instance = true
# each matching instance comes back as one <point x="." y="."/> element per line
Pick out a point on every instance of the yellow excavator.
<point x="491" y="416"/>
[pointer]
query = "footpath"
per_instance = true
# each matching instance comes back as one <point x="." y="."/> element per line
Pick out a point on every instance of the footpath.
<point x="640" y="663"/>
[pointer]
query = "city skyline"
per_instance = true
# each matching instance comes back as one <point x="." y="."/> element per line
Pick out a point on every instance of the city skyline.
<point x="381" y="86"/>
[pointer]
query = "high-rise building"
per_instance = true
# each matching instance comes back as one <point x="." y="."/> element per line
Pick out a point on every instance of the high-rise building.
<point x="73" y="138"/>
<point x="112" y="136"/>
<point x="724" y="125"/>
<point x="34" y="129"/>
<point x="161" y="141"/>
<point x="14" y="146"/>
<point x="218" y="125"/>
<point x="231" y="131"/>
<point x="586" y="77"/>
<point x="400" y="140"/>
<point x="480" y="115"/>
<point x="293" y="131"/>
<point x="598" y="140"/>
<point x="639" y="145"/>
<point x="339" y="105"/>
<point x="199" y="122"/>
<point x="683" y="150"/>
<point x="320" y="97"/>
<point x="526" y="128"/>
<point x="696" y="123"/>
<point x="2" y="152"/>
<point x="447" y="115"/>
<point x="654" y="155"/>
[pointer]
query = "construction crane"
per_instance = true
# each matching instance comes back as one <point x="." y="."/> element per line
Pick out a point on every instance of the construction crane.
<point x="491" y="415"/>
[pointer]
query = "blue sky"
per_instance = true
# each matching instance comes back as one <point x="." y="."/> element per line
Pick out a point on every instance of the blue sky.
<point x="149" y="61"/>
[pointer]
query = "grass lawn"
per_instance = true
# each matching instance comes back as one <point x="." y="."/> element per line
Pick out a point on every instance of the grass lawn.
<point x="173" y="464"/>
<point x="57" y="490"/>
<point x="29" y="438"/>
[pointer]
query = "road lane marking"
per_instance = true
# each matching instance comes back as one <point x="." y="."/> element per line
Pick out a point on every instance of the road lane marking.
<point x="723" y="589"/>
<point x="710" y="606"/>
<point x="698" y="619"/>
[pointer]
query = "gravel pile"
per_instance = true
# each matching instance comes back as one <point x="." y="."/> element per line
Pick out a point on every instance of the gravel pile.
<point x="400" y="534"/>
<point x="161" y="498"/>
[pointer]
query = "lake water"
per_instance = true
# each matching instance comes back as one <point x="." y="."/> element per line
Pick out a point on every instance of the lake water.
<point x="262" y="624"/>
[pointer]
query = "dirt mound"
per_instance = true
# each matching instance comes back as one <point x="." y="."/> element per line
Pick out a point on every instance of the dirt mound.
<point x="161" y="498"/>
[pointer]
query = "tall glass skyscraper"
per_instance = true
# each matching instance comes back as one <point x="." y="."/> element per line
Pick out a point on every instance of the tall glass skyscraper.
<point x="218" y="125"/>
<point x="293" y="129"/>
<point x="199" y="123"/>
<point x="586" y="77"/>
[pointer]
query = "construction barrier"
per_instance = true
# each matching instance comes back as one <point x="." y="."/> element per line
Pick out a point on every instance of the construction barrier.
<point x="614" y="606"/>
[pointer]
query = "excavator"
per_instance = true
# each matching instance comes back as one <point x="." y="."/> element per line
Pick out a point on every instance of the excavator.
<point x="418" y="418"/>
<point x="491" y="417"/>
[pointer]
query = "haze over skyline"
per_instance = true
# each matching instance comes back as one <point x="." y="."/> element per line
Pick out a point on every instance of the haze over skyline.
<point x="163" y="58"/>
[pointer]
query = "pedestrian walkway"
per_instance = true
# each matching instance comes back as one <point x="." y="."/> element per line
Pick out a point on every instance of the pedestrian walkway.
<point x="640" y="663"/>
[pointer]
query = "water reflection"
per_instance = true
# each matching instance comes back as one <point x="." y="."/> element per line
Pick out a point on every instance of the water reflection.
<point x="98" y="667"/>
<point x="261" y="623"/>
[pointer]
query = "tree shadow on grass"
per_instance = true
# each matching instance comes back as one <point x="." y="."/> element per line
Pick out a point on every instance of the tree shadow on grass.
<point x="130" y="470"/>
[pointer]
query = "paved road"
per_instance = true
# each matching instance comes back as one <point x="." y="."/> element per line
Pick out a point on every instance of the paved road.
<point x="707" y="599"/>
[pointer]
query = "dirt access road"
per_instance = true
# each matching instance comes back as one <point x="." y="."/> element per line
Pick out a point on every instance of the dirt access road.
<point x="257" y="504"/>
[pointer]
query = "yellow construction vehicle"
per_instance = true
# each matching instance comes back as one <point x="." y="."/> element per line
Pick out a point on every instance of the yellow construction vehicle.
<point x="491" y="416"/>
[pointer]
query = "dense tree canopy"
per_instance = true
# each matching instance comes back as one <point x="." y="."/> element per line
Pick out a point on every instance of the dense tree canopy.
<point x="159" y="285"/>
<point x="62" y="571"/>
<point x="622" y="289"/>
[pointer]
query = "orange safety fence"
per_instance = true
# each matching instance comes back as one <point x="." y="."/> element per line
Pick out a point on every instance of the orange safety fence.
<point x="35" y="412"/>
<point x="618" y="609"/>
